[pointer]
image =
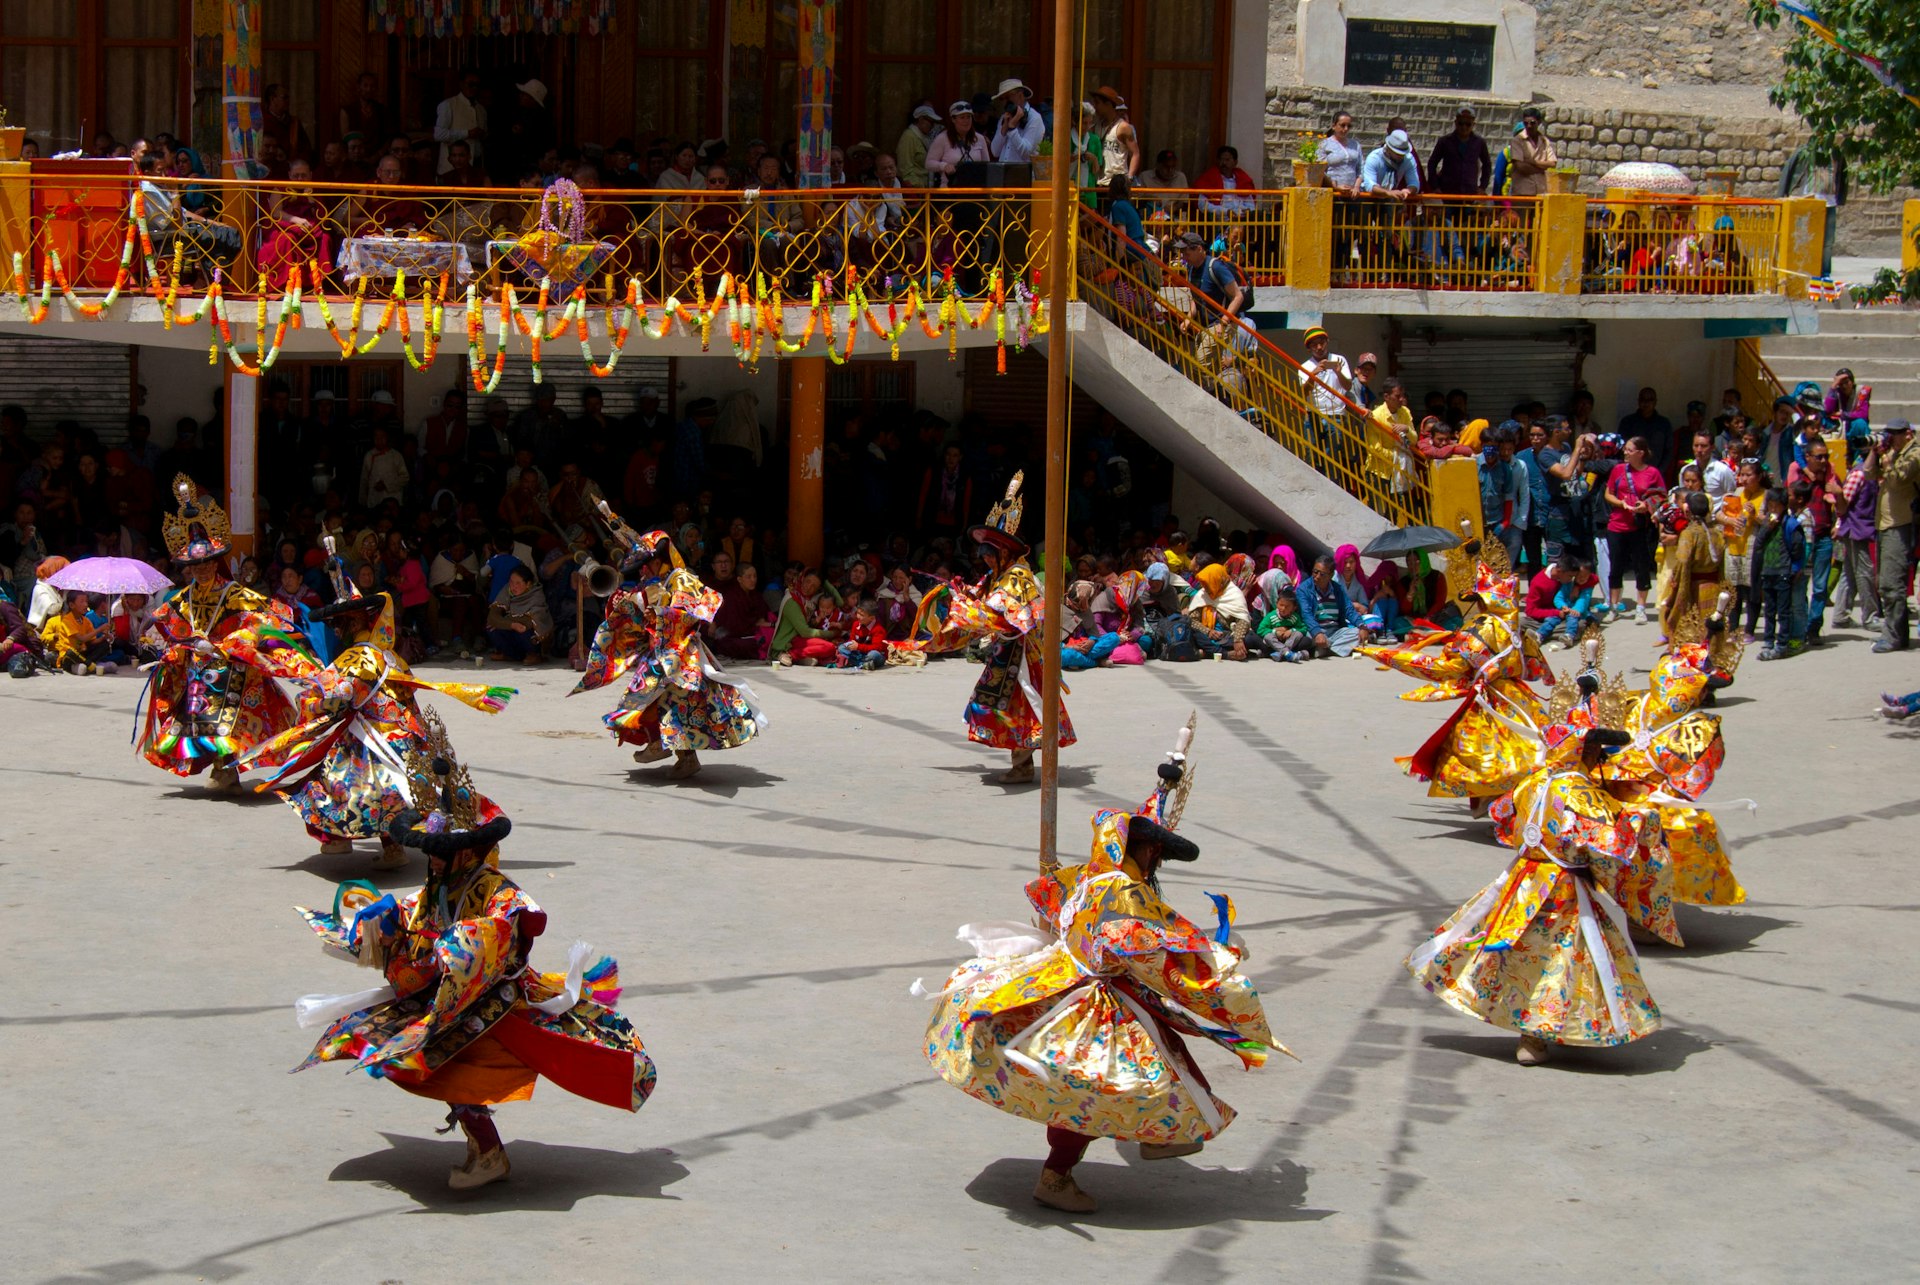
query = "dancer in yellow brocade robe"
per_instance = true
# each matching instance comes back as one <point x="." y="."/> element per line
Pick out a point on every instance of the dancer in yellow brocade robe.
<point x="1078" y="1024"/>
<point x="1545" y="949"/>
<point x="1490" y="741"/>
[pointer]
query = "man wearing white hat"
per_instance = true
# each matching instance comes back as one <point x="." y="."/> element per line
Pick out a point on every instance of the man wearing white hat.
<point x="1017" y="137"/>
<point x="911" y="150"/>
<point x="530" y="134"/>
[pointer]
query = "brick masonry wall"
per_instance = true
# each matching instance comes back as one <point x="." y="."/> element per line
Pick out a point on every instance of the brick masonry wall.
<point x="1591" y="139"/>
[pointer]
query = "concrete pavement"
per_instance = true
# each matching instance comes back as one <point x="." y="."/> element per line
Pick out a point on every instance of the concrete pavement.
<point x="770" y="915"/>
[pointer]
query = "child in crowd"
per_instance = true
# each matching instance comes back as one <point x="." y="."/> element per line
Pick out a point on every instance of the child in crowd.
<point x="1779" y="557"/>
<point x="1285" y="629"/>
<point x="1179" y="559"/>
<point x="1799" y="502"/>
<point x="1560" y="602"/>
<point x="866" y="644"/>
<point x="1739" y="515"/>
<point x="78" y="644"/>
<point x="293" y="592"/>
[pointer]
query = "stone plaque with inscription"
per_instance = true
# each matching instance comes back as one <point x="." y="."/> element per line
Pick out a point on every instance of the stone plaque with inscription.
<point x="1465" y="48"/>
<point x="1419" y="55"/>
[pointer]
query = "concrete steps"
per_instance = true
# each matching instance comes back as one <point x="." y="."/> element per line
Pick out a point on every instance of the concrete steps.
<point x="1880" y="345"/>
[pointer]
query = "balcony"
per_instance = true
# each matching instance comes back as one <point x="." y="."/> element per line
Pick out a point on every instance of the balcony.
<point x="1307" y="250"/>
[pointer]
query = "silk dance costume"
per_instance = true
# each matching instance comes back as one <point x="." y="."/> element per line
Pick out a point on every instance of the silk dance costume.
<point x="1488" y="664"/>
<point x="1545" y="950"/>
<point x="1004" y="608"/>
<point x="460" y="1016"/>
<point x="1077" y="1024"/>
<point x="679" y="700"/>
<point x="211" y="698"/>
<point x="343" y="764"/>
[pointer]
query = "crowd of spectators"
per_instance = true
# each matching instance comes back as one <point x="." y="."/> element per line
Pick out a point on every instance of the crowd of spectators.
<point x="483" y="527"/>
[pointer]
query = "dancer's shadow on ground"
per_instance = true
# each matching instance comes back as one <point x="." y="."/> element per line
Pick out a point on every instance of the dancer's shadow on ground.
<point x="1163" y="1195"/>
<point x="722" y="780"/>
<point x="358" y="864"/>
<point x="1456" y="825"/>
<point x="244" y="797"/>
<point x="1078" y="777"/>
<point x="1715" y="932"/>
<point x="546" y="1177"/>
<point x="1664" y="1050"/>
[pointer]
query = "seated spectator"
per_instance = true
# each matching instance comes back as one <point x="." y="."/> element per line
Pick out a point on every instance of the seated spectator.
<point x="47" y="601"/>
<point x="899" y="603"/>
<point x="75" y="641"/>
<point x="1222" y="620"/>
<point x="1085" y="645"/>
<point x="866" y="644"/>
<point x="1360" y="591"/>
<point x="1226" y="187"/>
<point x="1560" y="602"/>
<point x="518" y="622"/>
<point x="1165" y="176"/>
<point x="1439" y="441"/>
<point x="743" y="625"/>
<point x="292" y="592"/>
<point x="1285" y="631"/>
<point x="797" y="638"/>
<point x="1334" y="623"/>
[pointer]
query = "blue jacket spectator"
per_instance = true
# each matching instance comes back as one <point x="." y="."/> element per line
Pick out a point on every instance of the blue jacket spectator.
<point x="1391" y="167"/>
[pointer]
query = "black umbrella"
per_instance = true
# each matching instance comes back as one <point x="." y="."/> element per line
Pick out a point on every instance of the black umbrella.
<point x="1401" y="541"/>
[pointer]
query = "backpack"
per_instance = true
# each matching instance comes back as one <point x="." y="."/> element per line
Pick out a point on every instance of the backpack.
<point x="1175" y="638"/>
<point x="1210" y="274"/>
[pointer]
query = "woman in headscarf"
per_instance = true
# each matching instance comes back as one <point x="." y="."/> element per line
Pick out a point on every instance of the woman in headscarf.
<point x="194" y="196"/>
<point x="1283" y="558"/>
<point x="1346" y="569"/>
<point x="1222" y="621"/>
<point x="1121" y="611"/>
<point x="1084" y="645"/>
<point x="1240" y="571"/>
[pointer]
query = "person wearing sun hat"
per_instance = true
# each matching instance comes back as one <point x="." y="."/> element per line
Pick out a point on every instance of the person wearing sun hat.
<point x="210" y="699"/>
<point x="911" y="151"/>
<point x="679" y="700"/>
<point x="1079" y="1021"/>
<point x="1119" y="144"/>
<point x="1018" y="133"/>
<point x="958" y="143"/>
<point x="341" y="766"/>
<point x="1002" y="607"/>
<point x="461" y="1016"/>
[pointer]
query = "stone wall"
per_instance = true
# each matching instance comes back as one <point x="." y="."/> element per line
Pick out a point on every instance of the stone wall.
<point x="1590" y="138"/>
<point x="1675" y="41"/>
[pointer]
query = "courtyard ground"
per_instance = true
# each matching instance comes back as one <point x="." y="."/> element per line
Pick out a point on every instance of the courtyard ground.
<point x="770" y="915"/>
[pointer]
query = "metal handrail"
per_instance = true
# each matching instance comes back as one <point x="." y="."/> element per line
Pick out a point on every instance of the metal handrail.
<point x="1250" y="375"/>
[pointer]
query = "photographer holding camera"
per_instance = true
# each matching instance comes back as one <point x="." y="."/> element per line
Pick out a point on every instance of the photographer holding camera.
<point x="1020" y="131"/>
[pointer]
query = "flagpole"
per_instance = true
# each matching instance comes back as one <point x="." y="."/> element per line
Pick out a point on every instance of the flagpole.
<point x="1059" y="268"/>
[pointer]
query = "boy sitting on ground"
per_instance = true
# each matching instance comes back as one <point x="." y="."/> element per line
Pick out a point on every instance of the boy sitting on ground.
<point x="866" y="644"/>
<point x="1286" y="630"/>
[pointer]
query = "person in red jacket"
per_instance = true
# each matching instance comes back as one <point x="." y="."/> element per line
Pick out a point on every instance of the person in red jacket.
<point x="1226" y="186"/>
<point x="866" y="644"/>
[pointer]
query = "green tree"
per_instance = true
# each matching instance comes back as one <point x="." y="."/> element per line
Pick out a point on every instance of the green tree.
<point x="1841" y="101"/>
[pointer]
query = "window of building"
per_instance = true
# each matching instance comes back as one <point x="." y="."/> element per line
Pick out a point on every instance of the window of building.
<point x="70" y="70"/>
<point x="675" y="69"/>
<point x="292" y="55"/>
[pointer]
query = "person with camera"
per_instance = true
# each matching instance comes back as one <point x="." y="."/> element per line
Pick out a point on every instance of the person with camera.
<point x="1634" y="489"/>
<point x="1894" y="462"/>
<point x="1018" y="133"/>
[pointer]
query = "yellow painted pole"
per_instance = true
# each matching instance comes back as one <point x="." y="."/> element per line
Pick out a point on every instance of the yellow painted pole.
<point x="1059" y="340"/>
<point x="807" y="439"/>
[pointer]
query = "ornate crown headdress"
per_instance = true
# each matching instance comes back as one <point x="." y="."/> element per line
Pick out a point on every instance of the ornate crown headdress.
<point x="1690" y="629"/>
<point x="1005" y="516"/>
<point x="197" y="526"/>
<point x="442" y="789"/>
<point x="1611" y="706"/>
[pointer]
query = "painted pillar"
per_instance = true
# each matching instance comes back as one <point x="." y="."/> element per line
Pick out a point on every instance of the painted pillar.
<point x="1910" y="236"/>
<point x="1560" y="243"/>
<point x="806" y="444"/>
<point x="817" y="32"/>
<point x="240" y="88"/>
<point x="1309" y="238"/>
<point x="1455" y="487"/>
<point x="241" y="419"/>
<point x="1803" y="232"/>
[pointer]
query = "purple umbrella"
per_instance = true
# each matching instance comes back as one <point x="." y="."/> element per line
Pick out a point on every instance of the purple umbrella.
<point x="109" y="575"/>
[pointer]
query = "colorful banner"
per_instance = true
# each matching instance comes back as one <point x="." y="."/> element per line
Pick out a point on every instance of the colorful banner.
<point x="240" y="90"/>
<point x="1803" y="12"/>
<point x="445" y="18"/>
<point x="747" y="23"/>
<point x="818" y="22"/>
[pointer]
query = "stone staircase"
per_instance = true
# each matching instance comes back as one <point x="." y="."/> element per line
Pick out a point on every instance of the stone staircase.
<point x="1880" y="345"/>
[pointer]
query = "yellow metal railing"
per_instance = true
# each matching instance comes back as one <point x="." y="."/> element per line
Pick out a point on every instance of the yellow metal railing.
<point x="1671" y="245"/>
<point x="678" y="242"/>
<point x="673" y="243"/>
<point x="1759" y="386"/>
<point x="1435" y="243"/>
<point x="1252" y="377"/>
